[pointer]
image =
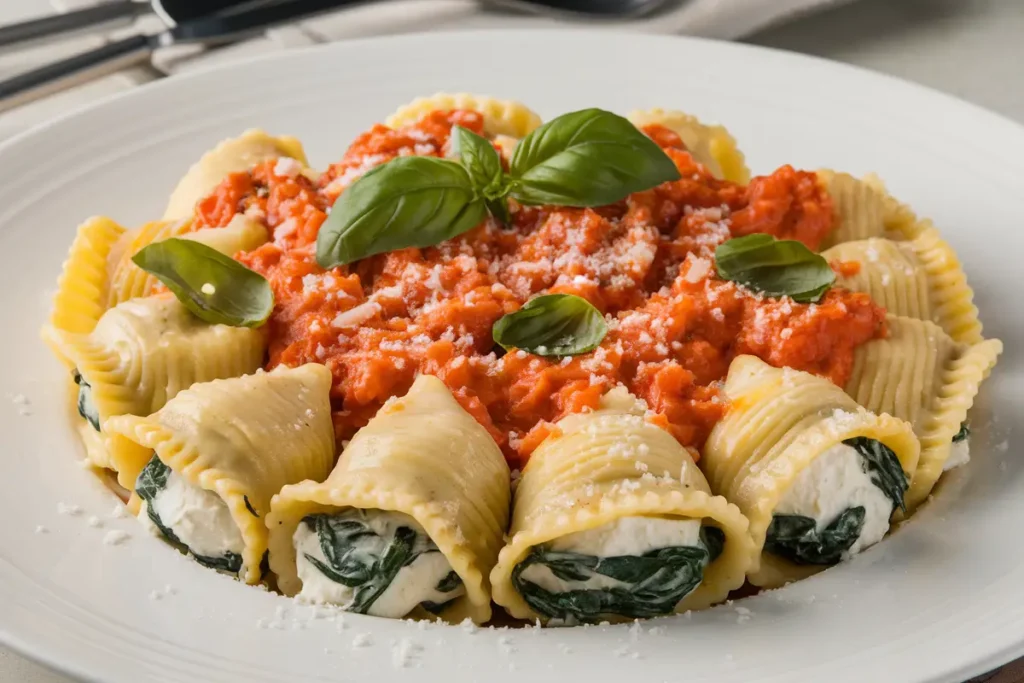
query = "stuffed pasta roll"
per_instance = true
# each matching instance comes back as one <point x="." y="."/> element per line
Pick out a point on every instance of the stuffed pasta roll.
<point x="863" y="208"/>
<point x="410" y="521"/>
<point x="220" y="450"/>
<point x="141" y="354"/>
<point x="818" y="476"/>
<point x="230" y="156"/>
<point x="712" y="146"/>
<point x="919" y="374"/>
<point x="612" y="520"/>
<point x="919" y="278"/>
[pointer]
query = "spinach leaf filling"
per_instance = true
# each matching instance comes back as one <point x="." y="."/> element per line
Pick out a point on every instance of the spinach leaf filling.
<point x="649" y="585"/>
<point x="797" y="538"/>
<point x="86" y="408"/>
<point x="350" y="547"/>
<point x="152" y="480"/>
<point x="963" y="434"/>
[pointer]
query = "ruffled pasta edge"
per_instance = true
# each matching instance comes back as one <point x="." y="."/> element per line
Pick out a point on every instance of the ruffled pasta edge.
<point x="712" y="146"/>
<point x="501" y="117"/>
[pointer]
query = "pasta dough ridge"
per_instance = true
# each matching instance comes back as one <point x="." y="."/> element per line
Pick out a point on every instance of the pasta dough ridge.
<point x="501" y="117"/>
<point x="712" y="146"/>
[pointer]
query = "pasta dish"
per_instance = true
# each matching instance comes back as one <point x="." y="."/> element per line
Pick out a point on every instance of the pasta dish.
<point x="580" y="370"/>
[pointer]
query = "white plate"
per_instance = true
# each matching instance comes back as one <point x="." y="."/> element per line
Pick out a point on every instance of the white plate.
<point x="940" y="601"/>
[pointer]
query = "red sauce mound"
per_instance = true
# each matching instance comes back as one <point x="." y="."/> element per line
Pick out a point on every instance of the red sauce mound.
<point x="647" y="263"/>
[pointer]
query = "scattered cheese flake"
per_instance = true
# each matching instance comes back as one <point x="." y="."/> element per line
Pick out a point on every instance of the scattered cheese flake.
<point x="361" y="640"/>
<point x="69" y="510"/>
<point x="115" y="537"/>
<point x="208" y="289"/>
<point x="287" y="167"/>
<point x="40" y="529"/>
<point x="94" y="522"/>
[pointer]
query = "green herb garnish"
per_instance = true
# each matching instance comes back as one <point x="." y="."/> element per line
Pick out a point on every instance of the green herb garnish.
<point x="651" y="584"/>
<point x="775" y="267"/>
<point x="586" y="158"/>
<point x="552" y="325"/>
<point x="214" y="287"/>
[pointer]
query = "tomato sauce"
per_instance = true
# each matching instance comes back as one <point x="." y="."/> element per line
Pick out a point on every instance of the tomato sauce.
<point x="646" y="263"/>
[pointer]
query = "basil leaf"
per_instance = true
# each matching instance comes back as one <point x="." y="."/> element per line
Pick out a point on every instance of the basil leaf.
<point x="407" y="202"/>
<point x="586" y="158"/>
<point x="796" y="538"/>
<point x="775" y="267"/>
<point x="884" y="468"/>
<point x="214" y="287"/>
<point x="652" y="583"/>
<point x="481" y="161"/>
<point x="964" y="433"/>
<point x="552" y="325"/>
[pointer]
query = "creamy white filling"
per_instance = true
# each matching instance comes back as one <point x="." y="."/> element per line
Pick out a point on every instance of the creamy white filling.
<point x="959" y="454"/>
<point x="838" y="479"/>
<point x="625" y="536"/>
<point x="199" y="518"/>
<point x="415" y="583"/>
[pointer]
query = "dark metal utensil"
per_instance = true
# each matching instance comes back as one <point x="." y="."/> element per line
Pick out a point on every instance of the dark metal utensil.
<point x="599" y="9"/>
<point x="104" y="17"/>
<point x="235" y="21"/>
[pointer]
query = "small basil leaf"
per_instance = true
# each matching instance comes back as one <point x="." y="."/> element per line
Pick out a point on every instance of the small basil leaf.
<point x="481" y="161"/>
<point x="552" y="325"/>
<point x="586" y="158"/>
<point x="407" y="202"/>
<point x="214" y="287"/>
<point x="775" y="267"/>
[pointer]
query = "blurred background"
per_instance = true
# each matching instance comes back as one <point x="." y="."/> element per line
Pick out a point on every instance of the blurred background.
<point x="973" y="49"/>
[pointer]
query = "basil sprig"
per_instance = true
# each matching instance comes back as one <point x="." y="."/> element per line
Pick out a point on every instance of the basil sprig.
<point x="586" y="158"/>
<point x="552" y="325"/>
<point x="775" y="267"/>
<point x="214" y="287"/>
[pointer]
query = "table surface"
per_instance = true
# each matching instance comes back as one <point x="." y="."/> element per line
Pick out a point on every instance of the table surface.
<point x="969" y="48"/>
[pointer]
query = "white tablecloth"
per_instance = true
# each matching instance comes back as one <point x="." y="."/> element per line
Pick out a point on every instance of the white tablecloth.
<point x="970" y="48"/>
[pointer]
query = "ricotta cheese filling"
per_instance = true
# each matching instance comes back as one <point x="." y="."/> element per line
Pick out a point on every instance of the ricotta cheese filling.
<point x="633" y="567"/>
<point x="86" y="407"/>
<point x="374" y="562"/>
<point x="960" y="451"/>
<point x="838" y="480"/>
<point x="193" y="517"/>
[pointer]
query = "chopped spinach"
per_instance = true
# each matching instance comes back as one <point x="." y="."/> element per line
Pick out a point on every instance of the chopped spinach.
<point x="884" y="468"/>
<point x="797" y="539"/>
<point x="86" y="408"/>
<point x="152" y="480"/>
<point x="650" y="584"/>
<point x="250" y="508"/>
<point x="349" y="546"/>
<point x="965" y="431"/>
